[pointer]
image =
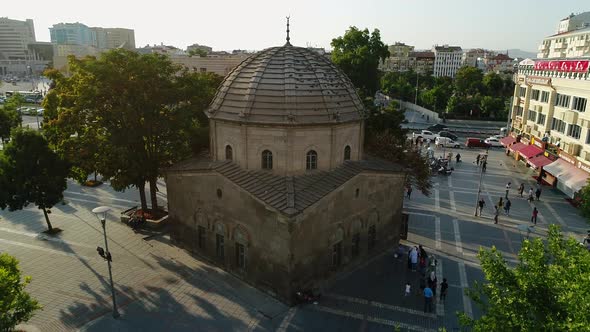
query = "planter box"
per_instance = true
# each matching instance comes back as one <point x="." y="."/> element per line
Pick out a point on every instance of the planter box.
<point x="149" y="223"/>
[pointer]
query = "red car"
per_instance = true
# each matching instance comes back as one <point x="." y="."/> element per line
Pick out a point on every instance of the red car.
<point x="476" y="143"/>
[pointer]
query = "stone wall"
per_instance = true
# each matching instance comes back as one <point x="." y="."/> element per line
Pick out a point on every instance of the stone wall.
<point x="289" y="145"/>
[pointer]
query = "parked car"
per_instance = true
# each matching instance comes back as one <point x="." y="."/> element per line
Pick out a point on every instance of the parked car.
<point x="447" y="134"/>
<point x="493" y="142"/>
<point x="40" y="111"/>
<point x="446" y="142"/>
<point x="497" y="136"/>
<point x="425" y="135"/>
<point x="476" y="143"/>
<point x="437" y="127"/>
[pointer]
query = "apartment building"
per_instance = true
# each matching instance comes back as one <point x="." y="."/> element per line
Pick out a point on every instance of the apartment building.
<point x="422" y="62"/>
<point x="447" y="60"/>
<point x="20" y="54"/>
<point x="399" y="58"/>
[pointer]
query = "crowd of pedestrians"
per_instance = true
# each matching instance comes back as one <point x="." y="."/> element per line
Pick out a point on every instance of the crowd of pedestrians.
<point x="418" y="261"/>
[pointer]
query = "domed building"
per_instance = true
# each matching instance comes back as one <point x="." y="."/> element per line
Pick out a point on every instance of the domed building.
<point x="285" y="198"/>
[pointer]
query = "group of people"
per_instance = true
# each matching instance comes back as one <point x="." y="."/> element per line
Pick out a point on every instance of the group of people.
<point x="483" y="160"/>
<point x="507" y="204"/>
<point x="418" y="261"/>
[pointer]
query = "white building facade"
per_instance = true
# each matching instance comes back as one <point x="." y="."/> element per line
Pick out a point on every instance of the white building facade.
<point x="447" y="60"/>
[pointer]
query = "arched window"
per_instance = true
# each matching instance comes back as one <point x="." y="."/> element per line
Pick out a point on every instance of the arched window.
<point x="266" y="159"/>
<point x="312" y="160"/>
<point x="347" y="152"/>
<point x="229" y="152"/>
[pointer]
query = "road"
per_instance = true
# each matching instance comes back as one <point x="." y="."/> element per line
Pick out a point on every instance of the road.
<point x="161" y="287"/>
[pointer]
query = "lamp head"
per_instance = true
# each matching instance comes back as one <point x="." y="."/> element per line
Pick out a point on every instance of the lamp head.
<point x="101" y="212"/>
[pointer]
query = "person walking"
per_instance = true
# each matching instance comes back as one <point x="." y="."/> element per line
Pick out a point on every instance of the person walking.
<point x="496" y="214"/>
<point x="481" y="204"/>
<point x="521" y="189"/>
<point x="428" y="299"/>
<point x="409" y="191"/>
<point x="484" y="165"/>
<point x="477" y="160"/>
<point x="444" y="286"/>
<point x="535" y="214"/>
<point x="458" y="158"/>
<point x="507" y="206"/>
<point x="508" y="188"/>
<point x="538" y="193"/>
<point x="432" y="283"/>
<point x="500" y="203"/>
<point x="414" y="258"/>
<point x="531" y="198"/>
<point x="408" y="289"/>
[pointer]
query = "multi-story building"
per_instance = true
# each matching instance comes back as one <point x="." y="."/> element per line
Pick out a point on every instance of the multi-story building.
<point x="550" y="114"/>
<point x="19" y="52"/>
<point x="499" y="63"/>
<point x="72" y="34"/>
<point x="574" y="22"/>
<point x="399" y="58"/>
<point x="474" y="57"/>
<point x="422" y="62"/>
<point x="110" y="38"/>
<point x="447" y="60"/>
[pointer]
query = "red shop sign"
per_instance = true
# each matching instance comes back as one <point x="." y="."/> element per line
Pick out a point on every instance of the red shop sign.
<point x="575" y="66"/>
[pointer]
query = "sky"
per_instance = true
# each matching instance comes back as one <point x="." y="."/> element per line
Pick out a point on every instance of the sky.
<point x="258" y="24"/>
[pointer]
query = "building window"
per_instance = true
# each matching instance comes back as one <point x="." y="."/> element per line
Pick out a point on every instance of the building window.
<point x="229" y="152"/>
<point x="266" y="159"/>
<point x="535" y="94"/>
<point x="532" y="115"/>
<point x="588" y="136"/>
<point x="557" y="125"/>
<point x="541" y="119"/>
<point x="337" y="254"/>
<point x="562" y="100"/>
<point x="372" y="238"/>
<point x="356" y="245"/>
<point x="522" y="91"/>
<point x="519" y="111"/>
<point x="312" y="160"/>
<point x="579" y="104"/>
<point x="219" y="246"/>
<point x="347" y="153"/>
<point x="201" y="233"/>
<point x="574" y="131"/>
<point x="241" y="256"/>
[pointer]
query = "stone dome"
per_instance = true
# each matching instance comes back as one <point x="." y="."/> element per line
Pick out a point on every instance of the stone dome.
<point x="286" y="85"/>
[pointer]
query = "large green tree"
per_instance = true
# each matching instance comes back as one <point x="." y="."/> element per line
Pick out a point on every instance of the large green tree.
<point x="358" y="53"/>
<point x="140" y="110"/>
<point x="31" y="173"/>
<point x="547" y="290"/>
<point x="584" y="197"/>
<point x="493" y="84"/>
<point x="16" y="305"/>
<point x="468" y="81"/>
<point x="9" y="116"/>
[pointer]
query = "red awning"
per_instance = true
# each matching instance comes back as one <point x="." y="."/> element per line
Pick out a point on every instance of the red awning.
<point x="530" y="151"/>
<point x="539" y="161"/>
<point x="517" y="147"/>
<point x="506" y="141"/>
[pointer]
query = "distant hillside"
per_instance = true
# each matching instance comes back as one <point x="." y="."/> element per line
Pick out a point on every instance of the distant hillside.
<point x="516" y="53"/>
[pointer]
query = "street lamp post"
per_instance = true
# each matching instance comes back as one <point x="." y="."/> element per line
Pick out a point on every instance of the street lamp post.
<point x="480" y="179"/>
<point x="101" y="214"/>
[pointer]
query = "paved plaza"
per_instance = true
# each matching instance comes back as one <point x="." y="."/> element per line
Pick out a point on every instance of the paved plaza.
<point x="162" y="288"/>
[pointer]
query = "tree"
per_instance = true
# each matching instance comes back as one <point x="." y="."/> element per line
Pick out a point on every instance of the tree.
<point x="9" y="119"/>
<point x="196" y="51"/>
<point x="139" y="109"/>
<point x="493" y="84"/>
<point x="32" y="173"/>
<point x="396" y="85"/>
<point x="358" y="53"/>
<point x="491" y="107"/>
<point x="16" y="305"/>
<point x="584" y="196"/>
<point x="386" y="139"/>
<point x="468" y="81"/>
<point x="547" y="290"/>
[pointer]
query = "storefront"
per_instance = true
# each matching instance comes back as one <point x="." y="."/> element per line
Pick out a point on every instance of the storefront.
<point x="539" y="162"/>
<point x="507" y="141"/>
<point x="515" y="147"/>
<point x="568" y="178"/>
<point x="529" y="152"/>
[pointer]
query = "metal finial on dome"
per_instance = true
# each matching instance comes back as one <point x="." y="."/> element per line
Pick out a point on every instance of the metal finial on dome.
<point x="288" y="39"/>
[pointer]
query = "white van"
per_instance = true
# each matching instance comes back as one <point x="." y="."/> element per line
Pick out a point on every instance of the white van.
<point x="446" y="142"/>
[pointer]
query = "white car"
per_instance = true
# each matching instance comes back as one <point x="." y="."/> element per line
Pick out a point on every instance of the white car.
<point x="498" y="137"/>
<point x="493" y="142"/>
<point x="446" y="142"/>
<point x="425" y="134"/>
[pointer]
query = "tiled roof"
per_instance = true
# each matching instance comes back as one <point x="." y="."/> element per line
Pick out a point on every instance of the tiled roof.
<point x="290" y="195"/>
<point x="287" y="85"/>
<point x="423" y="54"/>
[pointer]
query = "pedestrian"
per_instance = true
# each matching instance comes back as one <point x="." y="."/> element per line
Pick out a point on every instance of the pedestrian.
<point x="432" y="282"/>
<point x="422" y="265"/>
<point x="500" y="203"/>
<point x="538" y="193"/>
<point x="477" y="159"/>
<point x="531" y="198"/>
<point x="408" y="289"/>
<point x="422" y="285"/>
<point x="409" y="190"/>
<point x="507" y="206"/>
<point x="481" y="204"/>
<point x="521" y="189"/>
<point x="484" y="165"/>
<point x="458" y="158"/>
<point x="496" y="214"/>
<point x="428" y="299"/>
<point x="535" y="214"/>
<point x="508" y="188"/>
<point x="444" y="286"/>
<point x="414" y="258"/>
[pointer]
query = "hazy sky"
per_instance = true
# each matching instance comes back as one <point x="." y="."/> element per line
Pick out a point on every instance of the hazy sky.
<point x="257" y="24"/>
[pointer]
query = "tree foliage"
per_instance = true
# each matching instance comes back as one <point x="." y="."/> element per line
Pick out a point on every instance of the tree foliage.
<point x="9" y="116"/>
<point x="584" y="196"/>
<point x="358" y="53"/>
<point x="31" y="173"/>
<point x="139" y="110"/>
<point x="468" y="81"/>
<point x="548" y="289"/>
<point x="16" y="305"/>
